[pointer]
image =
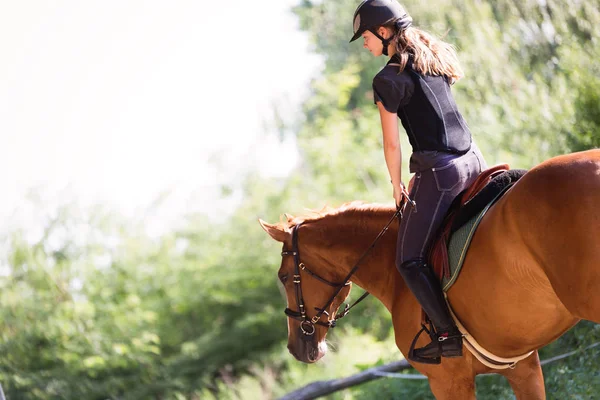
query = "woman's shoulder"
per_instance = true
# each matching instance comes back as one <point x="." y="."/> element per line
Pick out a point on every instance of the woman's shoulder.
<point x="391" y="74"/>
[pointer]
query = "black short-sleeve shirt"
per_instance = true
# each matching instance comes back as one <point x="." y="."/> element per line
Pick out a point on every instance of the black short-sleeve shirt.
<point x="392" y="89"/>
<point x="426" y="107"/>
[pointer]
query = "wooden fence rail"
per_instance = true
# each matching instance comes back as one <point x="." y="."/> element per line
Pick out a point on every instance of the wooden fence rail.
<point x="321" y="388"/>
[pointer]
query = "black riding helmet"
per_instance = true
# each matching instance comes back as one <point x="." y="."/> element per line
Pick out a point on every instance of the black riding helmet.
<point x="371" y="14"/>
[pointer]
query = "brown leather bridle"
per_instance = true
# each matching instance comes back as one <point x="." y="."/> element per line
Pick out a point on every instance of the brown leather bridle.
<point x="307" y="325"/>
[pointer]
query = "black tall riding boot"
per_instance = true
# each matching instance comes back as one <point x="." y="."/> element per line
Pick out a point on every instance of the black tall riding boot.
<point x="447" y="340"/>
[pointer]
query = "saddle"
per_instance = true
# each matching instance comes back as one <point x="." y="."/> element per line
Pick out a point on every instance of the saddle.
<point x="467" y="210"/>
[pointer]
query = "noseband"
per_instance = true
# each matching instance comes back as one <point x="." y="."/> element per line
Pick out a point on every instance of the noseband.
<point x="307" y="325"/>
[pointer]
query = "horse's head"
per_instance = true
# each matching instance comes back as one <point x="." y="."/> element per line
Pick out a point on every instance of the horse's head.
<point x="314" y="287"/>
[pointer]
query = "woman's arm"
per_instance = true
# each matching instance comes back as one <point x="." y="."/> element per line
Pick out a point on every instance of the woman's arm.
<point x="391" y="149"/>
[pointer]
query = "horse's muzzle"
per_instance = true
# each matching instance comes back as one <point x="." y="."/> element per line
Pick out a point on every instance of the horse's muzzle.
<point x="306" y="351"/>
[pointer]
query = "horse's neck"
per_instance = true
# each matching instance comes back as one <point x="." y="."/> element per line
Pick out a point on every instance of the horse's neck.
<point x="377" y="273"/>
<point x="379" y="277"/>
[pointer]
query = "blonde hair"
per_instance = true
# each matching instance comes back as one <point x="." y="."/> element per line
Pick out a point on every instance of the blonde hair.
<point x="430" y="55"/>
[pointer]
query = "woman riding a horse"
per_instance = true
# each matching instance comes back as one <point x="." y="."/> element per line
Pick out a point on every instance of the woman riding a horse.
<point x="415" y="87"/>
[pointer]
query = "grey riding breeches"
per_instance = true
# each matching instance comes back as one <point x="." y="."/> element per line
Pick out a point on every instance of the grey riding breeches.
<point x="439" y="178"/>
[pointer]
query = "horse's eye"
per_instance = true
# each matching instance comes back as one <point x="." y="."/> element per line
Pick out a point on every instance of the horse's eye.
<point x="283" y="278"/>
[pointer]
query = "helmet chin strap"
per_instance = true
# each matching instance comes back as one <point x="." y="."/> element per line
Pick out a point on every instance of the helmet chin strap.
<point x="386" y="42"/>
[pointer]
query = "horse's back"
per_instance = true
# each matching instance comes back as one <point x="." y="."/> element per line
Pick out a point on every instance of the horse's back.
<point x="559" y="212"/>
<point x="534" y="262"/>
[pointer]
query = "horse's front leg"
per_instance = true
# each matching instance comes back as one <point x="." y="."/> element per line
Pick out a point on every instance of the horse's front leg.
<point x="454" y="379"/>
<point x="452" y="388"/>
<point x="527" y="379"/>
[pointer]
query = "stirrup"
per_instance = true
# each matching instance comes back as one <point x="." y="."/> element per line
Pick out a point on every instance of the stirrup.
<point x="424" y="360"/>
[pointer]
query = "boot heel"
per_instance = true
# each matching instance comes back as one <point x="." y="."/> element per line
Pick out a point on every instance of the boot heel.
<point x="452" y="347"/>
<point x="452" y="353"/>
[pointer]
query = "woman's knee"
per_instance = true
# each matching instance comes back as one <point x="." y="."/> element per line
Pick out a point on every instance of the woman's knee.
<point x="413" y="263"/>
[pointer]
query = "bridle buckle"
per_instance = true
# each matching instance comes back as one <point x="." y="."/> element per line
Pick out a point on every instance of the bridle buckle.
<point x="343" y="313"/>
<point x="309" y="332"/>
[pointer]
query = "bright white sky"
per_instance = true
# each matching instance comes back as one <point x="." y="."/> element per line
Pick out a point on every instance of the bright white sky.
<point x="116" y="101"/>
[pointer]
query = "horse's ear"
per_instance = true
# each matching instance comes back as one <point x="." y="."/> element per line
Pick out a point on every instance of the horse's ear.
<point x="277" y="232"/>
<point x="289" y="217"/>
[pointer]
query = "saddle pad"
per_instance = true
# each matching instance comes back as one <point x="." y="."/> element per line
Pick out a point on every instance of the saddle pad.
<point x="459" y="242"/>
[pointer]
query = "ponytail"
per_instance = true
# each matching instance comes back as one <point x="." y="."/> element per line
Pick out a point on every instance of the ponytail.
<point x="430" y="55"/>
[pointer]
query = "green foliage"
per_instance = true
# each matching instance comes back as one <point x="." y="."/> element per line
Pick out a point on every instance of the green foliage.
<point x="578" y="377"/>
<point x="67" y="327"/>
<point x="526" y="64"/>
<point x="95" y="308"/>
<point x="126" y="316"/>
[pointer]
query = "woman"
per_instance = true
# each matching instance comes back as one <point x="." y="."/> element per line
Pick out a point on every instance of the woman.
<point x="415" y="87"/>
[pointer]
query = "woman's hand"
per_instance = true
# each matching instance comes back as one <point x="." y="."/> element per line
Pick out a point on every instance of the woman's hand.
<point x="399" y="193"/>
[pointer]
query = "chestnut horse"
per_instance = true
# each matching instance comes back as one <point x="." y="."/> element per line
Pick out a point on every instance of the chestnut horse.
<point x="531" y="273"/>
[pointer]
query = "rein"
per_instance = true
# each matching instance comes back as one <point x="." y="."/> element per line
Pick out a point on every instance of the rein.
<point x="307" y="325"/>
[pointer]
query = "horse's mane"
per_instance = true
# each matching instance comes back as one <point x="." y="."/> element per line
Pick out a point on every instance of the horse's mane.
<point x="353" y="208"/>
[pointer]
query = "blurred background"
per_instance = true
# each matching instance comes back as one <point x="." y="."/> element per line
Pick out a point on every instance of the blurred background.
<point x="143" y="140"/>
